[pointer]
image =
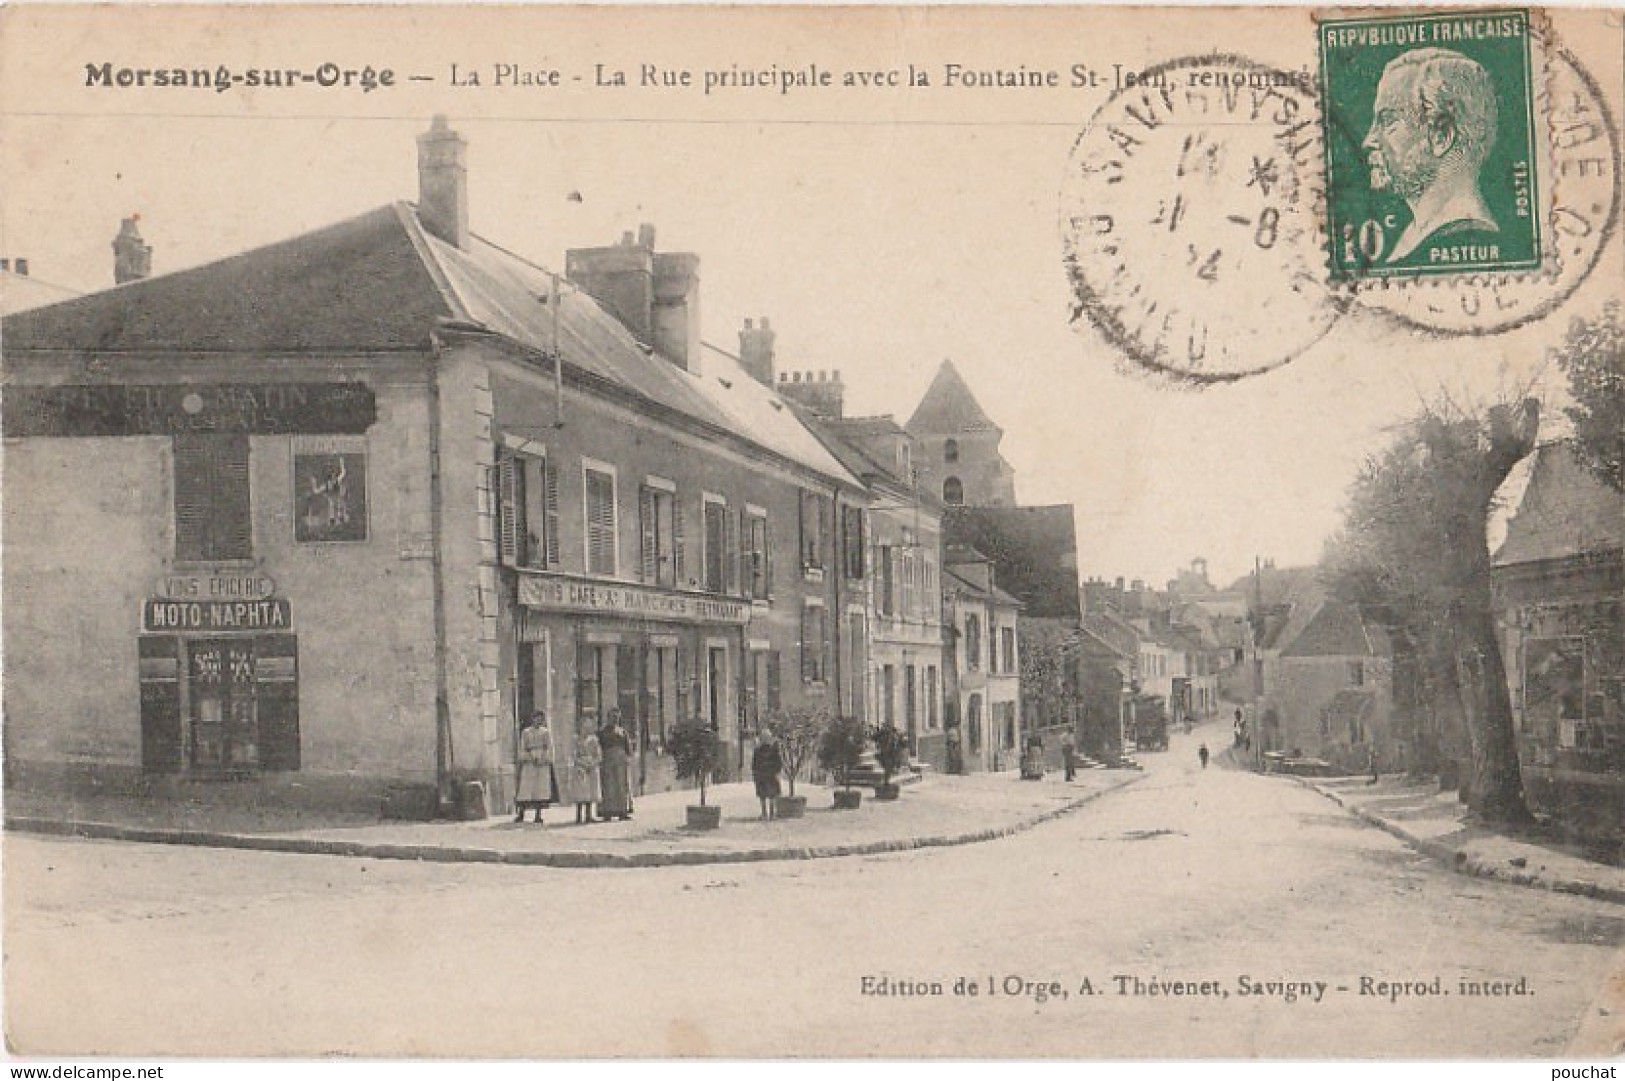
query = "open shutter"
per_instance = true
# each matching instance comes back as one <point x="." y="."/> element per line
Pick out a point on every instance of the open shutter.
<point x="550" y="513"/>
<point x="507" y="509"/>
<point x="774" y="680"/>
<point x="233" y="507"/>
<point x="804" y="538"/>
<point x="679" y="546"/>
<point x="731" y="550"/>
<point x="193" y="486"/>
<point x="648" y="507"/>
<point x="808" y="642"/>
<point x="767" y="559"/>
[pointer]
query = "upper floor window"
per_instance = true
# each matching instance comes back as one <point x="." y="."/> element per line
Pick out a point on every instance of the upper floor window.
<point x="953" y="491"/>
<point x="527" y="510"/>
<point x="973" y="642"/>
<point x="598" y="497"/>
<point x="1007" y="647"/>
<point x="852" y="543"/>
<point x="950" y="450"/>
<point x="815" y="514"/>
<point x="721" y="548"/>
<point x="660" y="519"/>
<point x="757" y="565"/>
<point x="213" y="509"/>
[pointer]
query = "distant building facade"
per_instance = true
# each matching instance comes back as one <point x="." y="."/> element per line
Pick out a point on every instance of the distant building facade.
<point x="958" y="459"/>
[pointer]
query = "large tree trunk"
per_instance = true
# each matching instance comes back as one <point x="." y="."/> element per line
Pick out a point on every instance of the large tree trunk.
<point x="1497" y="790"/>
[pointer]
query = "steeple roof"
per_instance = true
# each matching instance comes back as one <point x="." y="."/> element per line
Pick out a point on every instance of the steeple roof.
<point x="949" y="407"/>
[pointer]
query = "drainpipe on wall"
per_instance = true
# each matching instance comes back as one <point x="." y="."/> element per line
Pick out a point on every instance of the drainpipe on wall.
<point x="444" y="753"/>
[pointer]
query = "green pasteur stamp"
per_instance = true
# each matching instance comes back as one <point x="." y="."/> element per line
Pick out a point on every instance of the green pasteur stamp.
<point x="1431" y="145"/>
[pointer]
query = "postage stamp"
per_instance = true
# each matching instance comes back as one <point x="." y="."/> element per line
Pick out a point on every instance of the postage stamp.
<point x="1431" y="144"/>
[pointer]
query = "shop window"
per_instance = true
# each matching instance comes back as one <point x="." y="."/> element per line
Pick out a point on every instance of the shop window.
<point x="757" y="566"/>
<point x="855" y="646"/>
<point x="973" y="642"/>
<point x="213" y="508"/>
<point x="953" y="491"/>
<point x="527" y="510"/>
<point x="815" y="512"/>
<point x="973" y="722"/>
<point x="932" y="718"/>
<point x="599" y="497"/>
<point x="888" y="694"/>
<point x="852" y="542"/>
<point x="660" y="523"/>
<point x="814" y="632"/>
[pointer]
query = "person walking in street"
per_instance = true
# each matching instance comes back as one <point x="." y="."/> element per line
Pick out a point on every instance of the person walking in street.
<point x="536" y="786"/>
<point x="1069" y="751"/>
<point x="615" y="771"/>
<point x="582" y="776"/>
<point x="1371" y="761"/>
<point x="1201" y="752"/>
<point x="765" y="764"/>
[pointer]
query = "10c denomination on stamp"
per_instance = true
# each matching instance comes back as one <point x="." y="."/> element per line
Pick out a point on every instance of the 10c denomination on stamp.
<point x="1432" y="144"/>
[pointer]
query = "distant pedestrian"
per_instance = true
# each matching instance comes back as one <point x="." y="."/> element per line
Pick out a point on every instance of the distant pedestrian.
<point x="765" y="764"/>
<point x="1201" y="752"/>
<point x="582" y="779"/>
<point x="615" y="772"/>
<point x="1371" y="761"/>
<point x="1069" y="751"/>
<point x="536" y="786"/>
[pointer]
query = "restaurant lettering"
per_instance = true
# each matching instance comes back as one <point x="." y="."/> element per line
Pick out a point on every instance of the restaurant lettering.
<point x="261" y="615"/>
<point x="562" y="594"/>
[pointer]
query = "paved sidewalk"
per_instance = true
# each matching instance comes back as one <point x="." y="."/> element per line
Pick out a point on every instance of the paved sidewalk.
<point x="1436" y="823"/>
<point x="938" y="810"/>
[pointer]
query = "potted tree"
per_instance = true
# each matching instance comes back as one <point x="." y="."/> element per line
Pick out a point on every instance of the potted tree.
<point x="696" y="751"/>
<point x="891" y="755"/>
<point x="840" y="749"/>
<point x="798" y="731"/>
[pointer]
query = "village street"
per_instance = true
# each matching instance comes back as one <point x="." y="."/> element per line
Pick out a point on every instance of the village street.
<point x="1191" y="876"/>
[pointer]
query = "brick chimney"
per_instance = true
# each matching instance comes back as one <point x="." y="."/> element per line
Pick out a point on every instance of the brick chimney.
<point x="756" y="350"/>
<point x="819" y="392"/>
<point x="443" y="183"/>
<point x="132" y="256"/>
<point x="655" y="295"/>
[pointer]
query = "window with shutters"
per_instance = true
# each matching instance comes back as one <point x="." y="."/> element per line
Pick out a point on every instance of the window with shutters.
<point x="888" y="580"/>
<point x="213" y="504"/>
<point x="852" y="543"/>
<point x="657" y="517"/>
<point x="933" y="717"/>
<point x="757" y="566"/>
<point x="527" y="487"/>
<point x="973" y="642"/>
<point x="775" y="681"/>
<point x="599" y="499"/>
<point x="815" y="513"/>
<point x="814" y="632"/>
<point x="719" y="557"/>
<point x="1007" y="645"/>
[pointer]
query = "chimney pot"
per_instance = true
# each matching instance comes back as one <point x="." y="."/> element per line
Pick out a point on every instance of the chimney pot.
<point x="443" y="183"/>
<point x="646" y="236"/>
<point x="132" y="256"/>
<point x="22" y="267"/>
<point x="765" y="324"/>
<point x="748" y="323"/>
<point x="5" y="264"/>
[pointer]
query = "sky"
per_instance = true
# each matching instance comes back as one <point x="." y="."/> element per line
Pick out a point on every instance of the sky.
<point x="878" y="246"/>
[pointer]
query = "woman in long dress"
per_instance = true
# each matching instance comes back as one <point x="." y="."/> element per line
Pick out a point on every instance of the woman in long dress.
<point x="616" y="770"/>
<point x="536" y="788"/>
<point x="585" y="789"/>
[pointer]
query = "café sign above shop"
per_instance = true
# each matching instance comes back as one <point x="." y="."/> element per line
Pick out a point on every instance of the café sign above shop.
<point x="562" y="593"/>
<point x="121" y="409"/>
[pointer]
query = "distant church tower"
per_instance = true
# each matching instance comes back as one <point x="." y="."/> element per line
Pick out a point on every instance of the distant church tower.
<point x="958" y="458"/>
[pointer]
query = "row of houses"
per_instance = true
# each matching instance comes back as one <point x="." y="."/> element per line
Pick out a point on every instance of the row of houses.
<point x="333" y="515"/>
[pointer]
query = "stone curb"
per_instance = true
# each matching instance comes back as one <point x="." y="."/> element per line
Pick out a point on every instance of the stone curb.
<point x="1464" y="863"/>
<point x="314" y="846"/>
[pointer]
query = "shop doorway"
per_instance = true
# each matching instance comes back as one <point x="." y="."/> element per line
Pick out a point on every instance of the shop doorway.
<point x="224" y="708"/>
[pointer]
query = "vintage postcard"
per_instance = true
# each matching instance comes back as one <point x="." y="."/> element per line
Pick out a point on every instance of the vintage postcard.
<point x="963" y="532"/>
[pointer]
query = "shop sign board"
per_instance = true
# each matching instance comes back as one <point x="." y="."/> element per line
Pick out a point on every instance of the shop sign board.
<point x="562" y="593"/>
<point x="172" y="616"/>
<point x="219" y="586"/>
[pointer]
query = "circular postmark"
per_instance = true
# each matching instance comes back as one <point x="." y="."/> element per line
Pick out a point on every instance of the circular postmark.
<point x="1585" y="148"/>
<point x="1190" y="221"/>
